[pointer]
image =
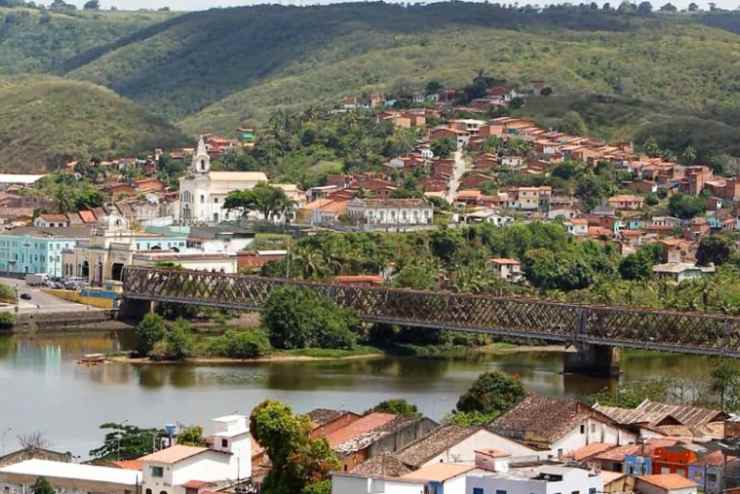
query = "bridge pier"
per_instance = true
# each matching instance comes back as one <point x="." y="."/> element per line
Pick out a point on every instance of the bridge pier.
<point x="134" y="309"/>
<point x="594" y="360"/>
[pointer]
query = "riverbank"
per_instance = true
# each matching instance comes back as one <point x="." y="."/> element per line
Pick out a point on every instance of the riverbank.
<point x="358" y="353"/>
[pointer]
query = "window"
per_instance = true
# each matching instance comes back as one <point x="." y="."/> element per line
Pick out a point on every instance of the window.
<point x="593" y="428"/>
<point x="583" y="429"/>
<point x="224" y="443"/>
<point x="711" y="477"/>
<point x="560" y="452"/>
<point x="202" y="198"/>
<point x="498" y="491"/>
<point x="478" y="490"/>
<point x="157" y="472"/>
<point x="592" y="490"/>
<point x="575" y="492"/>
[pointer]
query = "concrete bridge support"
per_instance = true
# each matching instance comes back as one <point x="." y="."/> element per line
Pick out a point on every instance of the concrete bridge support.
<point x="134" y="310"/>
<point x="594" y="360"/>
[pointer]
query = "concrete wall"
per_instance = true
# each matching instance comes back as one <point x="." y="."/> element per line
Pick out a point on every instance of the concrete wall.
<point x="464" y="451"/>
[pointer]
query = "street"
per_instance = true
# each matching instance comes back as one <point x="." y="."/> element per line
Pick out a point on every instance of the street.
<point x="457" y="174"/>
<point x="40" y="301"/>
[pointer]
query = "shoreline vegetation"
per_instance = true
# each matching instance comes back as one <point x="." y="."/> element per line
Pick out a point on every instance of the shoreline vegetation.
<point x="358" y="353"/>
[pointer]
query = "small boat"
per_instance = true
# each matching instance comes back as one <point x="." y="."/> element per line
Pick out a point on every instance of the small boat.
<point x="92" y="359"/>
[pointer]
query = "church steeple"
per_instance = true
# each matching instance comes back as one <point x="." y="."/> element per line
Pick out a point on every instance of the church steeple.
<point x="201" y="160"/>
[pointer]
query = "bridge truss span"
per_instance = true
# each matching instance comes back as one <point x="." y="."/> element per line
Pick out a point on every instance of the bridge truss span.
<point x="504" y="316"/>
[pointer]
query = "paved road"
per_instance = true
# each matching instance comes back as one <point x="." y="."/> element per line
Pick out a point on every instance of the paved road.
<point x="40" y="301"/>
<point x="457" y="173"/>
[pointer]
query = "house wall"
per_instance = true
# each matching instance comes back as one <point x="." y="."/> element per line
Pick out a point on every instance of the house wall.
<point x="402" y="438"/>
<point x="464" y="451"/>
<point x="28" y="254"/>
<point x="21" y="484"/>
<point x="591" y="431"/>
<point x="341" y="484"/>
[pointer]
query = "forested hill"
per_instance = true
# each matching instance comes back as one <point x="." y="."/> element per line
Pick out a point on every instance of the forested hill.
<point x="625" y="71"/>
<point x="34" y="40"/>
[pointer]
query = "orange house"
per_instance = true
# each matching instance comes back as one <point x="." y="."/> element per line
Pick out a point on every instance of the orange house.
<point x="674" y="459"/>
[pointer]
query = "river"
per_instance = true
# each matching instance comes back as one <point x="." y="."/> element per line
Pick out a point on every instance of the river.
<point x="43" y="389"/>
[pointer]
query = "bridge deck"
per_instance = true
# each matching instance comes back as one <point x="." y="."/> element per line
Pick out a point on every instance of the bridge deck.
<point x="505" y="316"/>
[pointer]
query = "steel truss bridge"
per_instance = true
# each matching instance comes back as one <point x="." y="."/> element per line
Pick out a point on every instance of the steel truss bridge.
<point x="502" y="316"/>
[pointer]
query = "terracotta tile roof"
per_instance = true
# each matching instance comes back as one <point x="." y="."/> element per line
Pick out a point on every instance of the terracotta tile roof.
<point x="173" y="454"/>
<point x="440" y="439"/>
<point x="321" y="416"/>
<point x="617" y="454"/>
<point x="503" y="260"/>
<point x="669" y="481"/>
<point x="439" y="472"/>
<point x="195" y="484"/>
<point x="655" y="413"/>
<point x="359" y="427"/>
<point x="384" y="465"/>
<point x="589" y="451"/>
<point x="712" y="430"/>
<point x="128" y="464"/>
<point x="87" y="216"/>
<point x="539" y="420"/>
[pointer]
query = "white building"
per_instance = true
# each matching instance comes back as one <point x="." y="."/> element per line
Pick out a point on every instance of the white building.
<point x="223" y="262"/>
<point x="390" y="211"/>
<point x="440" y="478"/>
<point x="227" y="458"/>
<point x="68" y="478"/>
<point x="202" y="191"/>
<point x="577" y="227"/>
<point x="681" y="271"/>
<point x="541" y="479"/>
<point x="506" y="269"/>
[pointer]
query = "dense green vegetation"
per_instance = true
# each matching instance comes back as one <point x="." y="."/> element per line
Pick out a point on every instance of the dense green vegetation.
<point x="625" y="74"/>
<point x="47" y="122"/>
<point x="300" y="464"/>
<point x="42" y="41"/>
<point x="492" y="394"/>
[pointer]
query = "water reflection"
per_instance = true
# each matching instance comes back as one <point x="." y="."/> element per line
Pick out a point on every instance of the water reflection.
<point x="45" y="389"/>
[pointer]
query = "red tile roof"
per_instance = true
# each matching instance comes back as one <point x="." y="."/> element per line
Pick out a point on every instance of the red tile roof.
<point x="361" y="426"/>
<point x="669" y="481"/>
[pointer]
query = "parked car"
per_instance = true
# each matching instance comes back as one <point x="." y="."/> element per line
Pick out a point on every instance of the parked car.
<point x="26" y="296"/>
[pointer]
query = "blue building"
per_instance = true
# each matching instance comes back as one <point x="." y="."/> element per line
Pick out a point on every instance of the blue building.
<point x="37" y="250"/>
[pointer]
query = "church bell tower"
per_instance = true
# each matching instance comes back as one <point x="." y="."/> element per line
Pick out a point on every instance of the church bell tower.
<point x="201" y="160"/>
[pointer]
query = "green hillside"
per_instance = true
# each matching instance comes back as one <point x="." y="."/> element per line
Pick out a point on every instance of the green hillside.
<point x="33" y="40"/>
<point x="45" y="122"/>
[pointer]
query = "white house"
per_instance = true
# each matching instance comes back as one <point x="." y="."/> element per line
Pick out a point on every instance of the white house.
<point x="348" y="483"/>
<point x="68" y="478"/>
<point x="390" y="211"/>
<point x="681" y="271"/>
<point x="506" y="269"/>
<point x="455" y="444"/>
<point x="226" y="458"/>
<point x="219" y="262"/>
<point x="202" y="191"/>
<point x="577" y="227"/>
<point x="541" y="479"/>
<point x="557" y="427"/>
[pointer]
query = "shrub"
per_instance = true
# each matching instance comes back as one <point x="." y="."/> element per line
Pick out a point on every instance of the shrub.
<point x="7" y="320"/>
<point x="491" y="394"/>
<point x="7" y="294"/>
<point x="240" y="344"/>
<point x="176" y="344"/>
<point x="298" y="317"/>
<point x="148" y="333"/>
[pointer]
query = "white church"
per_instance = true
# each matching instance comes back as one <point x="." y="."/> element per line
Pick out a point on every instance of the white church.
<point x="202" y="191"/>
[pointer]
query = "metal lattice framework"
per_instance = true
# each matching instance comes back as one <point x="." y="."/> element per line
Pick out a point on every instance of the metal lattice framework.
<point x="505" y="316"/>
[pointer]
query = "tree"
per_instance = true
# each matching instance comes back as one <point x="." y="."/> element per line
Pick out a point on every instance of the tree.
<point x="651" y="148"/>
<point x="573" y="123"/>
<point x="645" y="8"/>
<point x="433" y="87"/>
<point x="177" y="343"/>
<point x="92" y="5"/>
<point x="546" y="91"/>
<point x="298" y="317"/>
<point x="726" y="381"/>
<point x="693" y="7"/>
<point x="33" y="440"/>
<point x="685" y="206"/>
<point x="639" y="266"/>
<point x="714" y="249"/>
<point x="669" y="7"/>
<point x="493" y="393"/>
<point x="148" y="333"/>
<point x="42" y="486"/>
<point x="688" y="156"/>
<point x="397" y="407"/>
<point x="591" y="191"/>
<point x="550" y="270"/>
<point x="126" y="442"/>
<point x="419" y="274"/>
<point x="298" y="462"/>
<point x="263" y="198"/>
<point x="191" y="436"/>
<point x="443" y="147"/>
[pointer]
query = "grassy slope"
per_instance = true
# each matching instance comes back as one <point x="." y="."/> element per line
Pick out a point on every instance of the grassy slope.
<point x="36" y="41"/>
<point x="44" y="122"/>
<point x="660" y="70"/>
<point x="214" y="69"/>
